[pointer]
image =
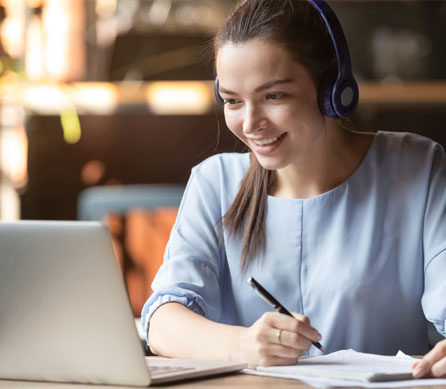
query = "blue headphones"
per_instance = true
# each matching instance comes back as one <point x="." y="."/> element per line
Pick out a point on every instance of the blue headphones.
<point x="338" y="93"/>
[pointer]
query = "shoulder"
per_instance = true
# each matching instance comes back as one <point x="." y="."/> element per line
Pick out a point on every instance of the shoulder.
<point x="224" y="168"/>
<point x="408" y="148"/>
<point x="407" y="142"/>
<point x="217" y="179"/>
<point x="211" y="188"/>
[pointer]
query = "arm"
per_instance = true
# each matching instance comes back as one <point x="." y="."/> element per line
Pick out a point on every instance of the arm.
<point x="274" y="339"/>
<point x="181" y="318"/>
<point x="434" y="243"/>
<point x="433" y="363"/>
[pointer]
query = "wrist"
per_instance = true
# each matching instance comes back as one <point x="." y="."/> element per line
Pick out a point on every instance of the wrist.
<point x="234" y="345"/>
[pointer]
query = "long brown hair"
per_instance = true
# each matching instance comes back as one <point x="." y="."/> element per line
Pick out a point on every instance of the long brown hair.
<point x="297" y="26"/>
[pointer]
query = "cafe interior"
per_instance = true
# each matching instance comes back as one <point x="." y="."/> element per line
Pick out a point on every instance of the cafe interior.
<point x="106" y="105"/>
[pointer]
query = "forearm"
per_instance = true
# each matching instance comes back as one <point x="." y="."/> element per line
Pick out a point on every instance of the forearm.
<point x="175" y="331"/>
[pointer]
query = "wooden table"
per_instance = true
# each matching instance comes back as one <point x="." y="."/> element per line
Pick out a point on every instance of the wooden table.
<point x="221" y="382"/>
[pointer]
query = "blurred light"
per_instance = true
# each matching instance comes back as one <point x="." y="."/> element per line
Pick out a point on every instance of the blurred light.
<point x="70" y="125"/>
<point x="34" y="3"/>
<point x="92" y="172"/>
<point x="106" y="31"/>
<point x="125" y="12"/>
<point x="11" y="115"/>
<point x="188" y="14"/>
<point x="64" y="30"/>
<point x="187" y="97"/>
<point x="12" y="29"/>
<point x="9" y="203"/>
<point x="56" y="25"/>
<point x="98" y="97"/>
<point x="14" y="155"/>
<point x="9" y="76"/>
<point x="160" y="11"/>
<point x="11" y="34"/>
<point x="106" y="22"/>
<point x="34" y="61"/>
<point x="45" y="98"/>
<point x="106" y="8"/>
<point x="399" y="53"/>
<point x="52" y="98"/>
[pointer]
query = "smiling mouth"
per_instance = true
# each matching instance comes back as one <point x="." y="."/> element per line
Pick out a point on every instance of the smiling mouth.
<point x="266" y="142"/>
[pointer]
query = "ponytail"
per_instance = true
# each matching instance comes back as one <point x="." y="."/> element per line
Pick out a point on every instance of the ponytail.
<point x="246" y="216"/>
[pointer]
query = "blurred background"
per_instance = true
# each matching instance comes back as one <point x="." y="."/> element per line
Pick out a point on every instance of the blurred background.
<point x="105" y="105"/>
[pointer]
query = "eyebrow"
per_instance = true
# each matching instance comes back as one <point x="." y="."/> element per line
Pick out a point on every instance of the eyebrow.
<point x="260" y="88"/>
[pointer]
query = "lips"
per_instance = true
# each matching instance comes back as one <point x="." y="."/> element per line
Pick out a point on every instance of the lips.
<point x="264" y="142"/>
<point x="266" y="145"/>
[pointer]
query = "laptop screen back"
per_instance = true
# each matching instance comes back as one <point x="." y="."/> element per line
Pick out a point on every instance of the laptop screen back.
<point x="65" y="314"/>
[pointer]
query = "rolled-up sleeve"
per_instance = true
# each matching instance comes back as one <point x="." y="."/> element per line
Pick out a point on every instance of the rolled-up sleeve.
<point x="190" y="272"/>
<point x="434" y="297"/>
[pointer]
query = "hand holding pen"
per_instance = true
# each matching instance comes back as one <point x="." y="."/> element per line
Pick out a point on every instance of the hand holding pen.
<point x="281" y="309"/>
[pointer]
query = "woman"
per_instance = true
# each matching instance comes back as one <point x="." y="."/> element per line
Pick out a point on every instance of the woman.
<point x="347" y="229"/>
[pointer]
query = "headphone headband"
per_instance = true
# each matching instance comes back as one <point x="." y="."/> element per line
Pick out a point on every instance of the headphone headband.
<point x="338" y="94"/>
<point x="336" y="34"/>
<point x="338" y="97"/>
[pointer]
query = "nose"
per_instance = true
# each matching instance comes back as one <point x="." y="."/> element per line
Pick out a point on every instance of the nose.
<point x="254" y="120"/>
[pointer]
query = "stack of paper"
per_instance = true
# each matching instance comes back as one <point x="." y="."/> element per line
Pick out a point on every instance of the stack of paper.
<point x="349" y="365"/>
<point x="351" y="368"/>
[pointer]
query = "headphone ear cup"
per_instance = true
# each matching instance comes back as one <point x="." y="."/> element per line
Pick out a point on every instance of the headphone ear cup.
<point x="217" y="93"/>
<point x="325" y="93"/>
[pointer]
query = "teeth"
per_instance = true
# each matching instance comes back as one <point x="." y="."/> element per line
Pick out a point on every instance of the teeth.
<point x="266" y="141"/>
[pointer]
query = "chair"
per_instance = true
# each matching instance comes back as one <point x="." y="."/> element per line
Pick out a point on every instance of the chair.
<point x="140" y="218"/>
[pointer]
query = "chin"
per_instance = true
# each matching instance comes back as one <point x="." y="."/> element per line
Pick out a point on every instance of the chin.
<point x="270" y="164"/>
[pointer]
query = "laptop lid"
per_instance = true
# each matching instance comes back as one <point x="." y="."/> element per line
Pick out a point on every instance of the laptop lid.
<point x="64" y="310"/>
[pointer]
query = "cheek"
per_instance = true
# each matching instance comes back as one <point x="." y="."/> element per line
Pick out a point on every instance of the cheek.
<point x="234" y="124"/>
<point x="305" y="113"/>
<point x="284" y="117"/>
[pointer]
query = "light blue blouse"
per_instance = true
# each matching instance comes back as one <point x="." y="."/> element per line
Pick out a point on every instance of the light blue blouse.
<point x="365" y="261"/>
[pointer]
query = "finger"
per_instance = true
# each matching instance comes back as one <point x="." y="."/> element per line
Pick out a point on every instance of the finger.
<point x="277" y="361"/>
<point x="280" y="351"/>
<point x="289" y="339"/>
<point x="275" y="336"/>
<point x="303" y="329"/>
<point x="437" y="353"/>
<point x="301" y="317"/>
<point x="439" y="368"/>
<point x="295" y="340"/>
<point x="424" y="367"/>
<point x="298" y="324"/>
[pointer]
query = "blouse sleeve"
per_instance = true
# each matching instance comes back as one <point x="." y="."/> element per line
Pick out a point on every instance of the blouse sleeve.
<point x="191" y="268"/>
<point x="434" y="240"/>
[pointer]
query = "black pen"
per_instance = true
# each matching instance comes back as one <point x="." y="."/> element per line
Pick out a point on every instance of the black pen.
<point x="277" y="306"/>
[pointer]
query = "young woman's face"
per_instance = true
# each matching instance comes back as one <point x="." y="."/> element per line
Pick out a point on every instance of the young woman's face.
<point x="270" y="102"/>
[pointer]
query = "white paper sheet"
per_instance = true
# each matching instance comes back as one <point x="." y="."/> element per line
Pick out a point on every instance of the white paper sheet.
<point x="349" y="368"/>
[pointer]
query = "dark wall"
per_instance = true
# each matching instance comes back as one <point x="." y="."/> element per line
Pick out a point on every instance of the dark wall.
<point x="134" y="149"/>
<point x="142" y="148"/>
<point x="425" y="120"/>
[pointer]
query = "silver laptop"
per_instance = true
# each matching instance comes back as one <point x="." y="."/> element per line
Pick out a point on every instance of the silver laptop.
<point x="65" y="314"/>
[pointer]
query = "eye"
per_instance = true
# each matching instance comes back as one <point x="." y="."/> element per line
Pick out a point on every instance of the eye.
<point x="231" y="102"/>
<point x="275" y="96"/>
